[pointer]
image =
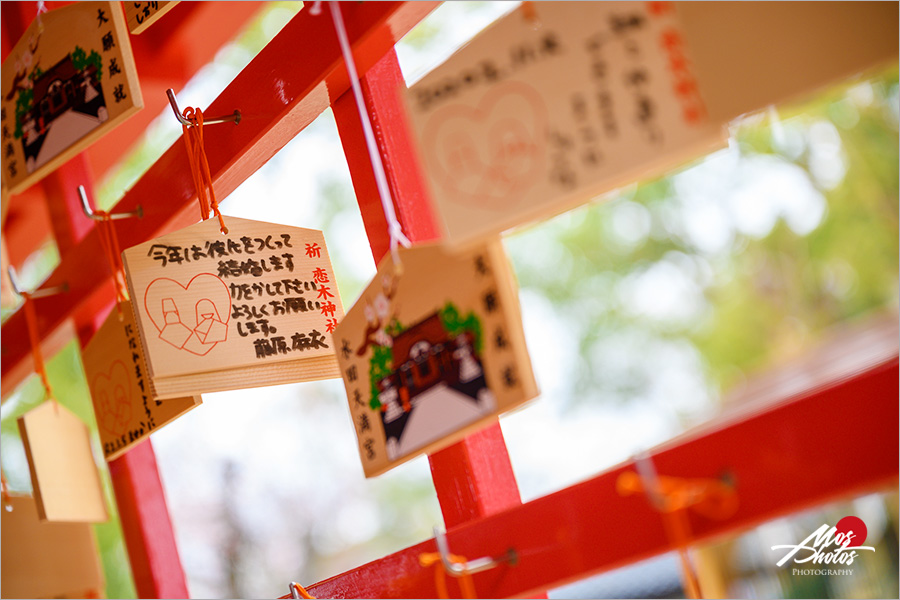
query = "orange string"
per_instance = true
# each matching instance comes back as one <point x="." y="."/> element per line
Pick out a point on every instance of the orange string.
<point x="193" y="141"/>
<point x="675" y="496"/>
<point x="529" y="11"/>
<point x="466" y="585"/>
<point x="110" y="242"/>
<point x="678" y="531"/>
<point x="4" y="491"/>
<point x="31" y="322"/>
<point x="302" y="591"/>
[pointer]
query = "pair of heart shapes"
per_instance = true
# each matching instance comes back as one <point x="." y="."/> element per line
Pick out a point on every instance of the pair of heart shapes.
<point x="112" y="391"/>
<point x="192" y="317"/>
<point x="491" y="154"/>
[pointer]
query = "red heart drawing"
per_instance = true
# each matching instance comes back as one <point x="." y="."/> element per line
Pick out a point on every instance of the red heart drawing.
<point x="193" y="318"/>
<point x="112" y="394"/>
<point x="490" y="155"/>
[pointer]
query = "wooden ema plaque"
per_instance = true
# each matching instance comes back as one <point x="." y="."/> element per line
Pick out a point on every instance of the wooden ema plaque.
<point x="69" y="80"/>
<point x="434" y="353"/>
<point x="63" y="473"/>
<point x="141" y="15"/>
<point x="116" y="372"/>
<point x="217" y="312"/>
<point x="47" y="560"/>
<point x="538" y="114"/>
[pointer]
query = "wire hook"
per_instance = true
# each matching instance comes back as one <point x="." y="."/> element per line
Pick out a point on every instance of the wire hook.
<point x="51" y="291"/>
<point x="646" y="470"/>
<point x="472" y="566"/>
<point x="234" y="117"/>
<point x="90" y="214"/>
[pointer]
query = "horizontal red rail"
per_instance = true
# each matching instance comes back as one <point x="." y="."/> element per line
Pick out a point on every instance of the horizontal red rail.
<point x="289" y="83"/>
<point x="825" y="444"/>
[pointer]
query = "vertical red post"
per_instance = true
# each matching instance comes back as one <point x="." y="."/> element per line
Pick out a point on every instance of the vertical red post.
<point x="140" y="498"/>
<point x="147" y="528"/>
<point x="472" y="478"/>
<point x="149" y="537"/>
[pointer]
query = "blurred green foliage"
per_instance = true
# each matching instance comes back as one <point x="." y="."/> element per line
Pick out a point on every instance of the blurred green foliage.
<point x="762" y="295"/>
<point x="755" y="298"/>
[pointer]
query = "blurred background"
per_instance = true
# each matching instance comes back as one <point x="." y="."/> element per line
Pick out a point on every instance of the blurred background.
<point x="646" y="312"/>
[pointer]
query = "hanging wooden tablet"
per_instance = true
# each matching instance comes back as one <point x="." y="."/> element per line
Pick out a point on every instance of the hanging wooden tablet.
<point x="551" y="105"/>
<point x="751" y="55"/>
<point x="141" y="15"/>
<point x="433" y="353"/>
<point x="63" y="472"/>
<point x="127" y="413"/>
<point x="69" y="80"/>
<point x="47" y="560"/>
<point x="251" y="308"/>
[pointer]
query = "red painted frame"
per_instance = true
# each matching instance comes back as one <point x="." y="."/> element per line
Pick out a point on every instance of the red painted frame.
<point x="474" y="477"/>
<point x="559" y="538"/>
<point x="273" y="115"/>
<point x="588" y="528"/>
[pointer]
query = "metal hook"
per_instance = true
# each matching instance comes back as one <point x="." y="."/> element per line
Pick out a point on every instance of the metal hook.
<point x="90" y="214"/>
<point x="646" y="470"/>
<point x="51" y="291"/>
<point x="472" y="566"/>
<point x="714" y="498"/>
<point x="234" y="117"/>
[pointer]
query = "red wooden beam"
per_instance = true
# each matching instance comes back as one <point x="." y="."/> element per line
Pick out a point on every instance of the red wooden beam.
<point x="166" y="56"/>
<point x="67" y="219"/>
<point x="382" y="85"/>
<point x="473" y="478"/>
<point x="830" y="443"/>
<point x="149" y="537"/>
<point x="141" y="501"/>
<point x="277" y="96"/>
<point x="146" y="527"/>
<point x="143" y="512"/>
<point x="27" y="225"/>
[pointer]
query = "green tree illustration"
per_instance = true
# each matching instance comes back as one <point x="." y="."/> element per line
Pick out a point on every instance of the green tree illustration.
<point x="380" y="366"/>
<point x="82" y="60"/>
<point x="23" y="106"/>
<point x="455" y="324"/>
<point x="79" y="58"/>
<point x="382" y="363"/>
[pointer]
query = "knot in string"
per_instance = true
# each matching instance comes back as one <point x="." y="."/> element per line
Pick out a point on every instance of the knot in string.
<point x="196" y="150"/>
<point x="672" y="497"/>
